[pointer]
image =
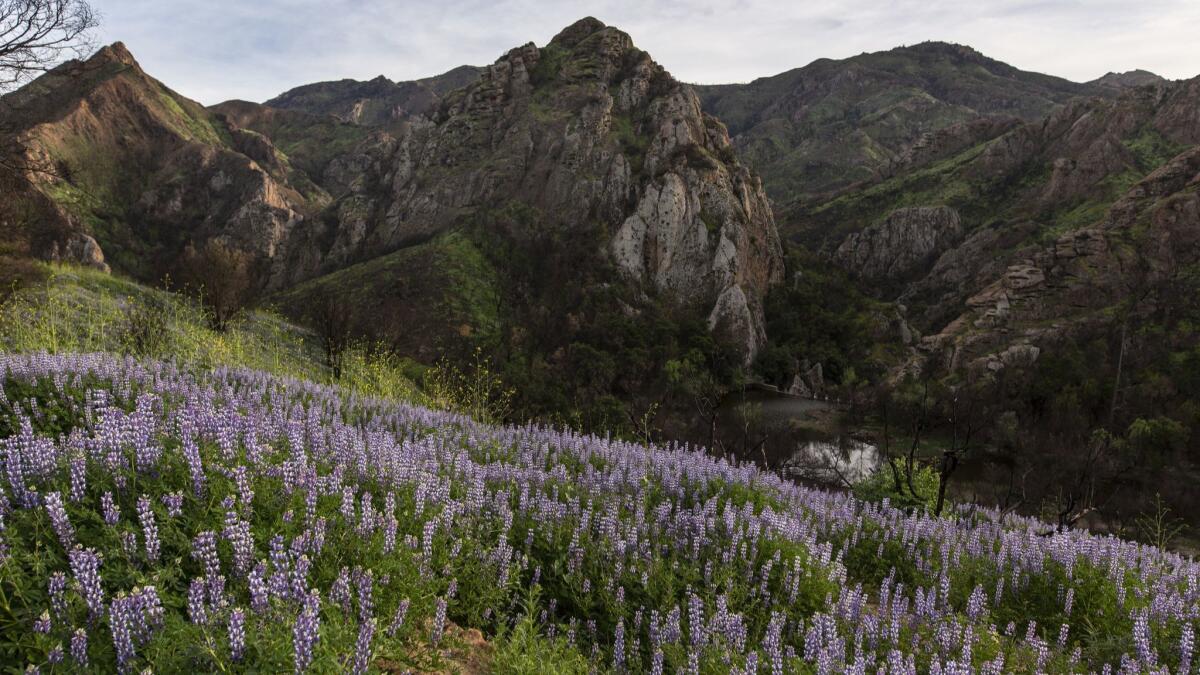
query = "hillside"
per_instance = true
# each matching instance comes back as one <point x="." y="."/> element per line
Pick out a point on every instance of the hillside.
<point x="120" y="169"/>
<point x="157" y="516"/>
<point x="816" y="129"/>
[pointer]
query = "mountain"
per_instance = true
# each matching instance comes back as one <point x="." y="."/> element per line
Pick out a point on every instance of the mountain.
<point x="571" y="202"/>
<point x="117" y="166"/>
<point x="832" y="123"/>
<point x="376" y="102"/>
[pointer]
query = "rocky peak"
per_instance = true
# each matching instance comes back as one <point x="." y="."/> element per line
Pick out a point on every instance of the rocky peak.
<point x="592" y="134"/>
<point x="577" y="32"/>
<point x="115" y="53"/>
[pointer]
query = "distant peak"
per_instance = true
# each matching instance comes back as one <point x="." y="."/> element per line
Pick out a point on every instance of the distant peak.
<point x="1128" y="79"/>
<point x="578" y="32"/>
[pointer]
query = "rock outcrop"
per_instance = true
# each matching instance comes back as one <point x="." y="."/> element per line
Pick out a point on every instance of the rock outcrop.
<point x="904" y="243"/>
<point x="587" y="130"/>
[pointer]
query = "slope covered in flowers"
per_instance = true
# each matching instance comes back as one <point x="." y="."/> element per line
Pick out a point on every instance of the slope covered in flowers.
<point x="232" y="520"/>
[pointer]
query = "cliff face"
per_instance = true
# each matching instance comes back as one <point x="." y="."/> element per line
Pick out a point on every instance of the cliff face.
<point x="585" y="131"/>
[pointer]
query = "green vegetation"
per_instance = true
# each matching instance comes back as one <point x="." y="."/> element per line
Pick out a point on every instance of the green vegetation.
<point x="819" y="315"/>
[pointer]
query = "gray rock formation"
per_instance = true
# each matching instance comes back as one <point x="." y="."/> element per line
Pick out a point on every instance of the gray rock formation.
<point x="906" y="241"/>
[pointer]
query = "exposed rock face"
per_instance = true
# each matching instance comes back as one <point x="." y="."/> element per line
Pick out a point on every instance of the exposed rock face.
<point x="904" y="243"/>
<point x="80" y="249"/>
<point x="585" y="130"/>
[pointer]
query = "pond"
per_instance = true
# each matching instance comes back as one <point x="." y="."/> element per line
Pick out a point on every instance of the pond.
<point x="798" y="436"/>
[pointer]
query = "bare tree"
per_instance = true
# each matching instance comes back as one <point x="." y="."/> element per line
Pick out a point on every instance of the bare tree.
<point x="332" y="317"/>
<point x="221" y="277"/>
<point x="35" y="35"/>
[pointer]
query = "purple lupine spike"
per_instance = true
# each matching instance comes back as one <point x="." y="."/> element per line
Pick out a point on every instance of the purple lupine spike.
<point x="364" y="584"/>
<point x="42" y="623"/>
<point x="57" y="589"/>
<point x="259" y="594"/>
<point x="398" y="618"/>
<point x="362" y="647"/>
<point x="339" y="592"/>
<point x="79" y="647"/>
<point x="119" y="620"/>
<point x="439" y="622"/>
<point x="237" y="634"/>
<point x="112" y="512"/>
<point x="149" y="528"/>
<point x="197" y="603"/>
<point x="59" y="520"/>
<point x="204" y="551"/>
<point x="85" y="566"/>
<point x="174" y="503"/>
<point x="78" y="478"/>
<point x="306" y="632"/>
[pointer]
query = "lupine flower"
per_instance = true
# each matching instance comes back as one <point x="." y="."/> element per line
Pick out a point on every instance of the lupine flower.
<point x="85" y="565"/>
<point x="362" y="647"/>
<point x="197" y="603"/>
<point x="306" y="632"/>
<point x="439" y="622"/>
<point x="59" y="521"/>
<point x="149" y="529"/>
<point x="398" y="618"/>
<point x="42" y="623"/>
<point x="174" y="503"/>
<point x="204" y="551"/>
<point x="79" y="647"/>
<point x="112" y="513"/>
<point x="237" y="634"/>
<point x="56" y="588"/>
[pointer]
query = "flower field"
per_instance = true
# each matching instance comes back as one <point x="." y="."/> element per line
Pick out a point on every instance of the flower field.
<point x="231" y="520"/>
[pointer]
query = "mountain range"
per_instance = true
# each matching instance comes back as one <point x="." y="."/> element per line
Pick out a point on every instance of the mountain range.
<point x="611" y="234"/>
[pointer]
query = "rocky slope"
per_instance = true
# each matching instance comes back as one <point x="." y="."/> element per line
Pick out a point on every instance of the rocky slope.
<point x="1012" y="244"/>
<point x="592" y="138"/>
<point x="833" y="123"/>
<point x="110" y="155"/>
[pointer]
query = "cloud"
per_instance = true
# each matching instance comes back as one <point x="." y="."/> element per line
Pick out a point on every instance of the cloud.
<point x="222" y="49"/>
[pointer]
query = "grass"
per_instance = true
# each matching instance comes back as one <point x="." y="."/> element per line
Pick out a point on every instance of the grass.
<point x="76" y="310"/>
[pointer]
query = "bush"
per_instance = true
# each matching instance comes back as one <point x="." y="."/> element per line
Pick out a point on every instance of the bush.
<point x="881" y="485"/>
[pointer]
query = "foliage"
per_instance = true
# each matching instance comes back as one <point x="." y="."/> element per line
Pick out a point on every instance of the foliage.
<point x="210" y="495"/>
<point x="880" y="487"/>
<point x="474" y="390"/>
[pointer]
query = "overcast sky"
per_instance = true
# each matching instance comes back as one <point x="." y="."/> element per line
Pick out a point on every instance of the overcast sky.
<point x="254" y="49"/>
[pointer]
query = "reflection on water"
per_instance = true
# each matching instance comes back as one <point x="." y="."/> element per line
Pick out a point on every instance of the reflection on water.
<point x="795" y="440"/>
<point x="842" y="461"/>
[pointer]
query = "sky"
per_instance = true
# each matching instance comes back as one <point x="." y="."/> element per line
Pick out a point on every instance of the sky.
<point x="217" y="50"/>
